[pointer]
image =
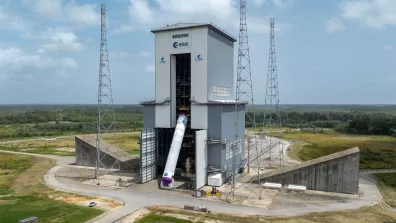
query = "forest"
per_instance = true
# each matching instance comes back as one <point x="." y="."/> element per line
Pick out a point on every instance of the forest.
<point x="29" y="121"/>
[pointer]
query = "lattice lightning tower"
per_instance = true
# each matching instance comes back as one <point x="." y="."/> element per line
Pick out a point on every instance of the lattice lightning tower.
<point x="106" y="126"/>
<point x="272" y="117"/>
<point x="244" y="93"/>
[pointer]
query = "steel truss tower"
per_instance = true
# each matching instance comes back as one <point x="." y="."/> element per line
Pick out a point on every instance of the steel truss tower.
<point x="59" y="117"/>
<point x="244" y="94"/>
<point x="106" y="126"/>
<point x="272" y="117"/>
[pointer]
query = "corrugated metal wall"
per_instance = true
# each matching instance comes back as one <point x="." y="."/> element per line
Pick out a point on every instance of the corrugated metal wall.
<point x="220" y="65"/>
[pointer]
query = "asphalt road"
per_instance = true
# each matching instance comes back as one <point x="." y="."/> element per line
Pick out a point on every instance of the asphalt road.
<point x="134" y="200"/>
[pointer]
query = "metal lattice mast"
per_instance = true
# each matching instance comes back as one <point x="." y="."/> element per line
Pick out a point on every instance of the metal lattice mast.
<point x="272" y="117"/>
<point x="59" y="118"/>
<point x="106" y="126"/>
<point x="244" y="94"/>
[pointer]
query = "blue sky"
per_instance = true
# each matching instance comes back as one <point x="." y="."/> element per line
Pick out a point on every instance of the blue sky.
<point x="328" y="51"/>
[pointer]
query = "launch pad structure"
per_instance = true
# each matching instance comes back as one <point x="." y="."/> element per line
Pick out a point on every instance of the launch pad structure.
<point x="194" y="78"/>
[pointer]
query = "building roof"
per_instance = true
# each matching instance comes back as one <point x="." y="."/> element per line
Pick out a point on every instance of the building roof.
<point x="310" y="162"/>
<point x="185" y="25"/>
<point x="121" y="155"/>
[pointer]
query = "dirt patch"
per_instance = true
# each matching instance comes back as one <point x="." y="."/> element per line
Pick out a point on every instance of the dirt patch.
<point x="82" y="200"/>
<point x="365" y="214"/>
<point x="66" y="149"/>
<point x="31" y="180"/>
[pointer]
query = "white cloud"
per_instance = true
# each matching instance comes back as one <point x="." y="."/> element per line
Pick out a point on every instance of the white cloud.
<point x="14" y="61"/>
<point x="150" y="68"/>
<point x="71" y="12"/>
<point x="370" y="13"/>
<point x="48" y="8"/>
<point x="9" y="21"/>
<point x="146" y="54"/>
<point x="60" y="41"/>
<point x="334" y="24"/>
<point x="84" y="14"/>
<point x="140" y="12"/>
<point x="69" y="63"/>
<point x="279" y="3"/>
<point x="388" y="47"/>
<point x="125" y="29"/>
<point x="118" y="54"/>
<point x="174" y="11"/>
<point x="258" y="2"/>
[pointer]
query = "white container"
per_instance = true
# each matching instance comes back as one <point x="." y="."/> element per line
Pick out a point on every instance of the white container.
<point x="215" y="179"/>
<point x="296" y="187"/>
<point x="272" y="185"/>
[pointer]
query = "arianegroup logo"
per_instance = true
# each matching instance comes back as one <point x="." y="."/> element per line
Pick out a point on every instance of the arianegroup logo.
<point x="162" y="60"/>
<point x="199" y="57"/>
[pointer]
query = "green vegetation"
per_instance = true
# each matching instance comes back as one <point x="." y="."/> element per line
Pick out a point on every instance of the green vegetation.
<point x="14" y="208"/>
<point x="60" y="146"/>
<point x="128" y="142"/>
<point x="377" y="152"/>
<point x="10" y="167"/>
<point x="40" y="120"/>
<point x="65" y="146"/>
<point x="161" y="219"/>
<point x="365" y="214"/>
<point x="20" y="179"/>
<point x="387" y="187"/>
<point x="369" y="120"/>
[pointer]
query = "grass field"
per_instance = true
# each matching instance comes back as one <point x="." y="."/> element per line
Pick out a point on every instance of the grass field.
<point x="10" y="168"/>
<point x="161" y="219"/>
<point x="64" y="146"/>
<point x="24" y="194"/>
<point x="58" y="147"/>
<point x="387" y="186"/>
<point x="377" y="152"/>
<point x="128" y="142"/>
<point x="365" y="214"/>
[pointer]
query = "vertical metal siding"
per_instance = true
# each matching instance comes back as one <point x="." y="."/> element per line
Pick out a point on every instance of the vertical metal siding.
<point x="201" y="158"/>
<point x="199" y="68"/>
<point x="149" y="116"/>
<point x="162" y="80"/>
<point x="147" y="155"/>
<point x="220" y="65"/>
<point x="199" y="116"/>
<point x="173" y="90"/>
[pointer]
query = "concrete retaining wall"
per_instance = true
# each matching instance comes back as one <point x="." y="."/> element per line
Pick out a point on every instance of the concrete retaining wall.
<point x="86" y="156"/>
<point x="338" y="173"/>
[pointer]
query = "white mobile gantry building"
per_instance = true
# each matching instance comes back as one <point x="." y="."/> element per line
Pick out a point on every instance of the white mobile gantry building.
<point x="189" y="126"/>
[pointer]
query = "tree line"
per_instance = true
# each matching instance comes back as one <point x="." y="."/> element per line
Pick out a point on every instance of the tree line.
<point x="83" y="119"/>
<point x="375" y="123"/>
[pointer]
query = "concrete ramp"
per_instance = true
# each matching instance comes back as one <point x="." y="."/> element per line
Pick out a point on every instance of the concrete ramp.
<point x="337" y="172"/>
<point x="86" y="154"/>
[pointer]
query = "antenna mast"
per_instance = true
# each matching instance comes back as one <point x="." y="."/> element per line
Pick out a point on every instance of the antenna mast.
<point x="272" y="116"/>
<point x="244" y="97"/>
<point x="106" y="126"/>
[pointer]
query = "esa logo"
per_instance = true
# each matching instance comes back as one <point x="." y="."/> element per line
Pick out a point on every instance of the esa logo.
<point x="179" y="45"/>
<point x="199" y="57"/>
<point x="162" y="60"/>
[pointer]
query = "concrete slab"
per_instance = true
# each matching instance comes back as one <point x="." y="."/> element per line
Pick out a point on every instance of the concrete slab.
<point x="112" y="181"/>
